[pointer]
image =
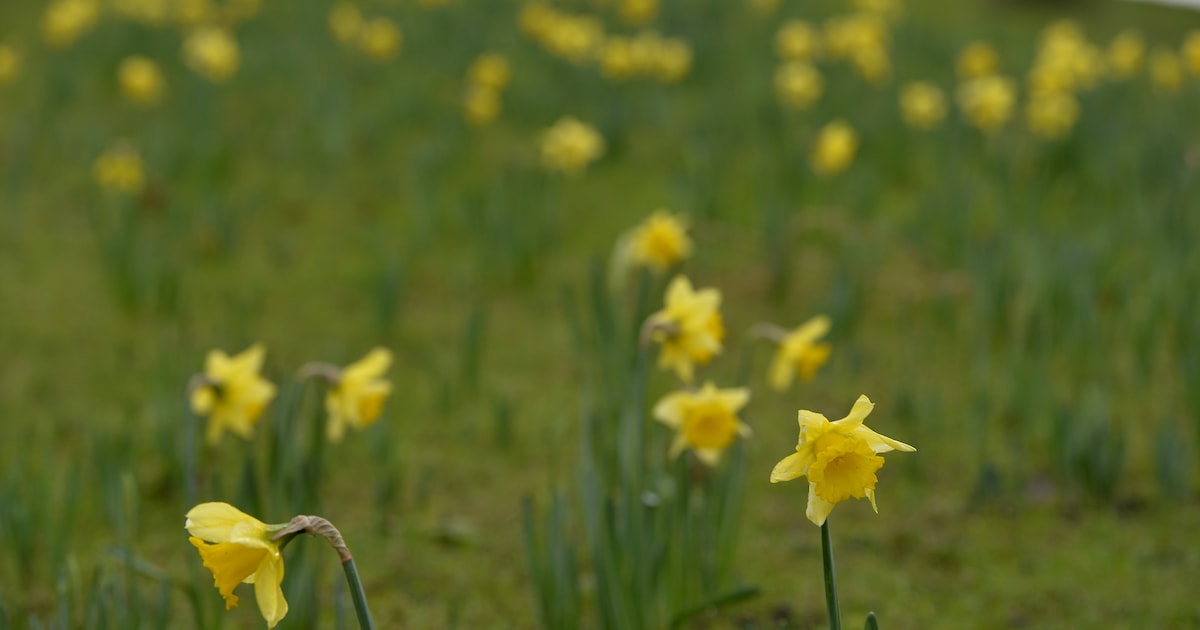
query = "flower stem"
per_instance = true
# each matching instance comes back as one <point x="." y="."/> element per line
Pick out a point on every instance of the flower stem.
<point x="357" y="594"/>
<point x="831" y="598"/>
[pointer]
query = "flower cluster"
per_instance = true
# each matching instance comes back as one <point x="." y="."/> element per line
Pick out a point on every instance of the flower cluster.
<point x="378" y="38"/>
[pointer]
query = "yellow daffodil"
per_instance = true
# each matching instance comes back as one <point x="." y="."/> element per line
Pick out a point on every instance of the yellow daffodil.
<point x="67" y="20"/>
<point x="576" y="38"/>
<point x="141" y="81"/>
<point x="570" y="145"/>
<point x="797" y="40"/>
<point x="977" y="60"/>
<point x="890" y="10"/>
<point x="212" y="53"/>
<point x="659" y="242"/>
<point x="846" y="35"/>
<point x="1166" y="71"/>
<point x="231" y="392"/>
<point x="834" y="149"/>
<point x="800" y="353"/>
<point x="872" y="64"/>
<point x="1190" y="52"/>
<point x="194" y="13"/>
<point x="491" y="71"/>
<point x="922" y="104"/>
<point x="238" y="549"/>
<point x="152" y="13"/>
<point x="1125" y="54"/>
<point x="481" y="105"/>
<point x="839" y="458"/>
<point x="987" y="102"/>
<point x="10" y="64"/>
<point x="345" y="22"/>
<point x="798" y="84"/>
<point x="638" y="12"/>
<point x="672" y="60"/>
<point x="1051" y="114"/>
<point x="617" y="62"/>
<point x="119" y="169"/>
<point x="689" y="328"/>
<point x="705" y="421"/>
<point x="357" y="393"/>
<point x="380" y="38"/>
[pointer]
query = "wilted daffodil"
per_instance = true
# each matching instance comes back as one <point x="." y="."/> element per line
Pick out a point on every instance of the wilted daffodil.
<point x="689" y="328"/>
<point x="839" y="458"/>
<point x="141" y="81"/>
<point x="705" y="421"/>
<point x="801" y="353"/>
<point x="238" y="549"/>
<point x="119" y="169"/>
<point x="922" y="104"/>
<point x="231" y="392"/>
<point x="834" y="149"/>
<point x="356" y="392"/>
<point x="570" y="145"/>
<point x="212" y="53"/>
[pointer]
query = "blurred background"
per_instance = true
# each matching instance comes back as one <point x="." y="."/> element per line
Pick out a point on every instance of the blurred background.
<point x="995" y="203"/>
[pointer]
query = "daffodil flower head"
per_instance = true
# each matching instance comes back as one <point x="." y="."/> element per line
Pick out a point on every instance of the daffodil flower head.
<point x="212" y="52"/>
<point x="380" y="38"/>
<point x="800" y="353"/>
<point x="119" y="169"/>
<point x="1126" y="53"/>
<point x="689" y="328"/>
<point x="705" y="420"/>
<point x="987" y="102"/>
<point x="231" y="392"/>
<point x="239" y="549"/>
<point x="141" y="81"/>
<point x="839" y="458"/>
<point x="922" y="104"/>
<point x="570" y="145"/>
<point x="660" y="242"/>
<point x="491" y="71"/>
<point x="978" y="60"/>
<point x="345" y="22"/>
<point x="357" y="393"/>
<point x="834" y="148"/>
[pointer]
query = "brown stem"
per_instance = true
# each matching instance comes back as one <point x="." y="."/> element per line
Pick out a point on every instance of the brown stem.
<point x="315" y="526"/>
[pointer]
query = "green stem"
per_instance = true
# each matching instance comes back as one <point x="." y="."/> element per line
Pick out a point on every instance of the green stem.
<point x="357" y="594"/>
<point x="831" y="598"/>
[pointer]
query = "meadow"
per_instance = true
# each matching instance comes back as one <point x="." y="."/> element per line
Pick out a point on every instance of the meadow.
<point x="994" y="206"/>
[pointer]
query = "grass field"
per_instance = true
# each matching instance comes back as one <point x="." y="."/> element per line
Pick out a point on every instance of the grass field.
<point x="1019" y="302"/>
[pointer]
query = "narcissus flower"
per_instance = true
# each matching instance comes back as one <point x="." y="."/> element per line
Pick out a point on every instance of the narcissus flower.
<point x="660" y="242"/>
<point x="345" y="22"/>
<point x="379" y="38"/>
<point x="797" y="40"/>
<point x="689" y="328"/>
<point x="922" y="104"/>
<point x="800" y="353"/>
<point x="798" y="84"/>
<point x="839" y="458"/>
<point x="357" y="393"/>
<point x="1051" y="114"/>
<point x="231" y="392"/>
<point x="1125" y="54"/>
<point x="987" y="102"/>
<point x="238" y="549"/>
<point x="212" y="53"/>
<point x="977" y="60"/>
<point x="490" y="70"/>
<point x="638" y="12"/>
<point x="67" y="20"/>
<point x="10" y="64"/>
<point x="480" y="105"/>
<point x="570" y="145"/>
<point x="141" y="81"/>
<point x="119" y="169"/>
<point x="1166" y="71"/>
<point x="705" y="421"/>
<point x="834" y="149"/>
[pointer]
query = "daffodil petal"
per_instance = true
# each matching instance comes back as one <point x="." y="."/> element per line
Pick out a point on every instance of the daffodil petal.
<point x="268" y="591"/>
<point x="813" y="329"/>
<point x="791" y="467"/>
<point x="880" y="443"/>
<point x="818" y="509"/>
<point x="215" y="521"/>
<point x="669" y="410"/>
<point x="859" y="412"/>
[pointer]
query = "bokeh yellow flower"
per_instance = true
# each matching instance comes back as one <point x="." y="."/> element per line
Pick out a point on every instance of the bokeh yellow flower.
<point x="65" y="21"/>
<point x="141" y="81"/>
<point x="872" y="64"/>
<point x="481" y="105"/>
<point x="1166" y="71"/>
<point x="922" y="105"/>
<point x="212" y="53"/>
<point x="688" y="328"/>
<point x="119" y="169"/>
<point x="846" y="35"/>
<point x="237" y="548"/>
<point x="345" y="22"/>
<point x="1190" y="51"/>
<point x="638" y="12"/>
<point x="977" y="60"/>
<point x="1126" y="53"/>
<point x="194" y="13"/>
<point x="231" y="392"/>
<point x="570" y="145"/>
<point x="1051" y="114"/>
<point x="705" y="420"/>
<point x="617" y="61"/>
<point x="357" y="394"/>
<point x="987" y="102"/>
<point x="660" y="242"/>
<point x="764" y="7"/>
<point x="798" y="84"/>
<point x="797" y="40"/>
<point x="10" y="64"/>
<point x="890" y="10"/>
<point x="671" y="61"/>
<point x="380" y="38"/>
<point x="490" y="70"/>
<point x="834" y="149"/>
<point x="839" y="458"/>
<point x="576" y="38"/>
<point x="152" y="13"/>
<point x="801" y="353"/>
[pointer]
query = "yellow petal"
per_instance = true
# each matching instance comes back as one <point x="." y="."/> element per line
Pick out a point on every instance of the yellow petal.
<point x="230" y="564"/>
<point x="791" y="467"/>
<point x="677" y="446"/>
<point x="203" y="400"/>
<point x="216" y="364"/>
<point x="782" y="372"/>
<point x="250" y="361"/>
<point x="216" y="521"/>
<point x="710" y="456"/>
<point x="669" y="410"/>
<point x="812" y="330"/>
<point x="859" y="412"/>
<point x="871" y="495"/>
<point x="818" y="509"/>
<point x="335" y="423"/>
<point x="880" y="443"/>
<point x="371" y="366"/>
<point x="267" y="591"/>
<point x="734" y="399"/>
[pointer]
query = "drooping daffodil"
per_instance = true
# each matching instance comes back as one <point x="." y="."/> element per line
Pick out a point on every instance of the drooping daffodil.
<point x="839" y="458"/>
<point x="239" y="549"/>
<point x="800" y="353"/>
<point x="231" y="392"/>
<point x="356" y="396"/>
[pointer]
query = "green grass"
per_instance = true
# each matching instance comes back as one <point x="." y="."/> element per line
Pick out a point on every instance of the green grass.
<point x="1022" y="312"/>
